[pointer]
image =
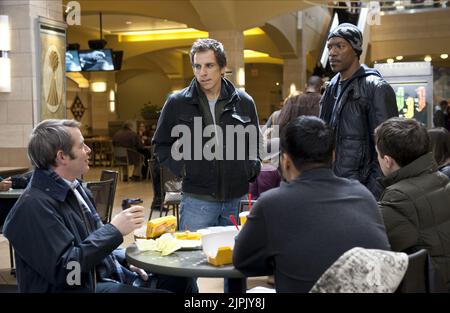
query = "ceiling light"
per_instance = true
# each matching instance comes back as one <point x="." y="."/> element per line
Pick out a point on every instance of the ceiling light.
<point x="399" y="57"/>
<point x="427" y="58"/>
<point x="444" y="56"/>
<point x="277" y="83"/>
<point x="128" y="22"/>
<point x="98" y="86"/>
<point x="390" y="61"/>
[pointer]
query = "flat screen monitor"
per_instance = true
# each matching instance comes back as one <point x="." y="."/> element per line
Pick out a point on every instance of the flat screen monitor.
<point x="96" y="60"/>
<point x="72" y="61"/>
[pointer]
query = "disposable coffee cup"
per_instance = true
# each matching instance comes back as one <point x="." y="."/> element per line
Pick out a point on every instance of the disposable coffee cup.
<point x="243" y="217"/>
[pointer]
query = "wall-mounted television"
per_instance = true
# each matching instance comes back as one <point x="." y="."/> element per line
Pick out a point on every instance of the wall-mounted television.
<point x="96" y="60"/>
<point x="72" y="61"/>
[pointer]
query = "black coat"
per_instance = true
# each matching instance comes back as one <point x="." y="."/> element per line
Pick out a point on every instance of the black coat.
<point x="47" y="231"/>
<point x="366" y="101"/>
<point x="221" y="179"/>
<point x="299" y="229"/>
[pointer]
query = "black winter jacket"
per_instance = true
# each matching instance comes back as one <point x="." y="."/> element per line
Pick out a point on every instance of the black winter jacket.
<point x="221" y="179"/>
<point x="366" y="100"/>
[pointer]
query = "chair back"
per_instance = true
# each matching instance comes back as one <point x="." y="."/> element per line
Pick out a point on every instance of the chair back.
<point x="244" y="205"/>
<point x="107" y="175"/>
<point x="421" y="276"/>
<point x="361" y="270"/>
<point x="120" y="156"/>
<point x="101" y="193"/>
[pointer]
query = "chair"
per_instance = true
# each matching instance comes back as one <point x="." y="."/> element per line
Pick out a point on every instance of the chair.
<point x="170" y="192"/>
<point x="101" y="193"/>
<point x="136" y="160"/>
<point x="362" y="270"/>
<point x="244" y="205"/>
<point x="107" y="175"/>
<point x="120" y="160"/>
<point x="421" y="275"/>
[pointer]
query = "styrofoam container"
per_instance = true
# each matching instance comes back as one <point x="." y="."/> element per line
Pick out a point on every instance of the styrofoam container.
<point x="213" y="240"/>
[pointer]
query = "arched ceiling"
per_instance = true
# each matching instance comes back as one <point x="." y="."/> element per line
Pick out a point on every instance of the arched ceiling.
<point x="200" y="14"/>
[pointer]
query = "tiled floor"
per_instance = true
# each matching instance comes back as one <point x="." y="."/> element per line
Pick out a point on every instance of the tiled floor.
<point x="141" y="190"/>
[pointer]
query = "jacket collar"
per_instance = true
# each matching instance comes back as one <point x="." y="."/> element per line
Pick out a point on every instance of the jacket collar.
<point x="51" y="183"/>
<point x="227" y="92"/>
<point x="315" y="173"/>
<point x="423" y="164"/>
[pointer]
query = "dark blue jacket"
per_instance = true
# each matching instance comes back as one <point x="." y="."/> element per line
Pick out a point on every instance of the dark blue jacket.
<point x="47" y="231"/>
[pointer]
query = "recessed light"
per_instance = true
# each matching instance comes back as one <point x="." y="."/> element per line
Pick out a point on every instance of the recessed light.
<point x="427" y="58"/>
<point x="128" y="22"/>
<point x="399" y="57"/>
<point x="277" y="83"/>
<point x="444" y="56"/>
<point x="390" y="61"/>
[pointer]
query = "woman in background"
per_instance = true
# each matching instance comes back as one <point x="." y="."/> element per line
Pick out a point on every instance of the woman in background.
<point x="440" y="145"/>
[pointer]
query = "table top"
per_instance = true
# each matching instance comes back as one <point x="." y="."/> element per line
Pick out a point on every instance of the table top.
<point x="6" y="171"/>
<point x="11" y="193"/>
<point x="185" y="263"/>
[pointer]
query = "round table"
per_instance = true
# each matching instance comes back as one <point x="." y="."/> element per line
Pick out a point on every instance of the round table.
<point x="186" y="263"/>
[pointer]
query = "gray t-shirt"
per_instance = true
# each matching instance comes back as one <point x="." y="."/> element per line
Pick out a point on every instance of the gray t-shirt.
<point x="212" y="106"/>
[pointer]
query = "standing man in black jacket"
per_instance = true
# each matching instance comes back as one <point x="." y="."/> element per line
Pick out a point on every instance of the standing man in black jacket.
<point x="215" y="127"/>
<point x="355" y="102"/>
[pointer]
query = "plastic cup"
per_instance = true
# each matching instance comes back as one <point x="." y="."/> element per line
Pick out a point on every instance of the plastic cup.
<point x="243" y="217"/>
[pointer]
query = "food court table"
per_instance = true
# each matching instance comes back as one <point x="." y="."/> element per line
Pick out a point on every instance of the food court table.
<point x="12" y="170"/>
<point x="189" y="263"/>
<point x="11" y="193"/>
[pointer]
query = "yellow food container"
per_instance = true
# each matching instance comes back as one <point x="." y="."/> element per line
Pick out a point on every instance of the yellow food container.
<point x="158" y="226"/>
<point x="243" y="217"/>
<point x="224" y="256"/>
<point x="188" y="235"/>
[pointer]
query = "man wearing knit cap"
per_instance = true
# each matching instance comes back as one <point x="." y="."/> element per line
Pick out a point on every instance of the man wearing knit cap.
<point x="355" y="102"/>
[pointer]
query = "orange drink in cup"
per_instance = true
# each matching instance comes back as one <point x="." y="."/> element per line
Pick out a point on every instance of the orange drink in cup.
<point x="243" y="217"/>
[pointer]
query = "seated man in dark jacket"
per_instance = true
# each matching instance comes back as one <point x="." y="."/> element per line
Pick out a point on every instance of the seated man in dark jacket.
<point x="60" y="242"/>
<point x="299" y="229"/>
<point x="415" y="203"/>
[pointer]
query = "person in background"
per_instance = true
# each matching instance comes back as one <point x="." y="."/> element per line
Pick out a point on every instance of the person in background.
<point x="54" y="226"/>
<point x="415" y="203"/>
<point x="356" y="101"/>
<point x="128" y="138"/>
<point x="268" y="178"/>
<point x="300" y="229"/>
<point x="440" y="115"/>
<point x="440" y="145"/>
<point x="314" y="87"/>
<point x="143" y="134"/>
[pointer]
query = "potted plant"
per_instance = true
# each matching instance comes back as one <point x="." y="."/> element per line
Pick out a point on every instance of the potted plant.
<point x="149" y="111"/>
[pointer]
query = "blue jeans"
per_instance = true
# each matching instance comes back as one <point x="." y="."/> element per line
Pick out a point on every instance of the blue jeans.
<point x="196" y="214"/>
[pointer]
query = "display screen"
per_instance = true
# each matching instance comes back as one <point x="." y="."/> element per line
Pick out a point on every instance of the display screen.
<point x="412" y="100"/>
<point x="72" y="61"/>
<point x="96" y="60"/>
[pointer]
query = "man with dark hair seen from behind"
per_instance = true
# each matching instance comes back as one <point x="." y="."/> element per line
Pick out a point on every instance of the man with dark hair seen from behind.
<point x="300" y="229"/>
<point x="356" y="101"/>
<point x="212" y="188"/>
<point x="415" y="203"/>
<point x="60" y="243"/>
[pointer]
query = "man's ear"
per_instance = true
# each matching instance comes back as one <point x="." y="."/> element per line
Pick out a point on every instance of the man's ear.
<point x="389" y="161"/>
<point x="60" y="157"/>
<point x="333" y="158"/>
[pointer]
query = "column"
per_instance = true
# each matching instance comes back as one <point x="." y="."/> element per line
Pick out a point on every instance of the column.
<point x="233" y="42"/>
<point x="18" y="107"/>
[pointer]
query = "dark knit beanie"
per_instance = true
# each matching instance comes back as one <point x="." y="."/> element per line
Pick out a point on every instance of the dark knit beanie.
<point x="351" y="33"/>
